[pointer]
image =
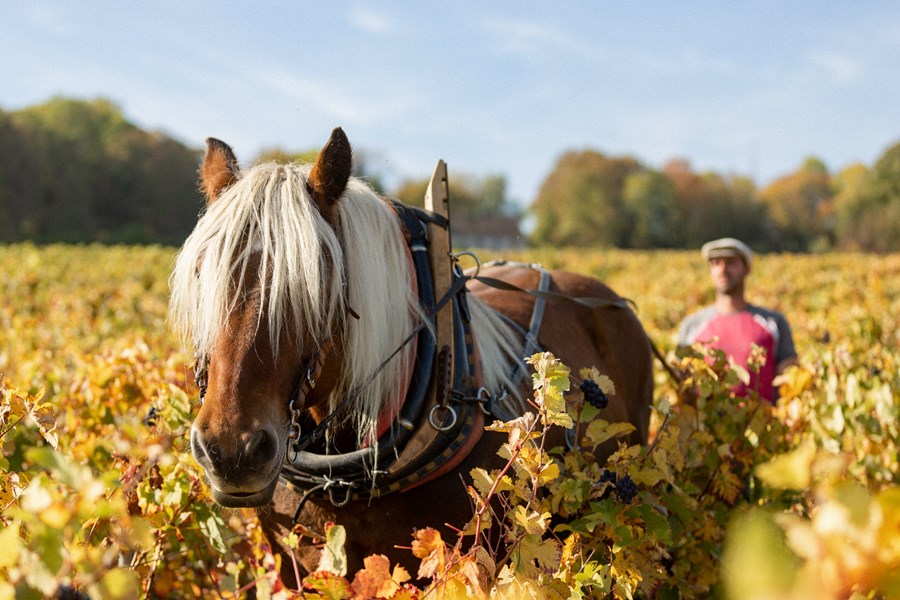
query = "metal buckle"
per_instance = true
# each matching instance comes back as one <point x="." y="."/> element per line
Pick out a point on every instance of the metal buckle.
<point x="294" y="432"/>
<point x="485" y="398"/>
<point x="309" y="377"/>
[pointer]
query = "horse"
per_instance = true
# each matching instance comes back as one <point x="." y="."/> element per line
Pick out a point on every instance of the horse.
<point x="297" y="290"/>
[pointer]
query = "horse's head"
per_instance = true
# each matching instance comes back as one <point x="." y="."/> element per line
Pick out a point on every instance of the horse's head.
<point x="257" y="289"/>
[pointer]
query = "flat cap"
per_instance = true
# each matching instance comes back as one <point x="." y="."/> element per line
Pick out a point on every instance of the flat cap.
<point x="727" y="247"/>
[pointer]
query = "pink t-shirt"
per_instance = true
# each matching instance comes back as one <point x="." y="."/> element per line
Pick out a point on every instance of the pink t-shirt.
<point x="734" y="334"/>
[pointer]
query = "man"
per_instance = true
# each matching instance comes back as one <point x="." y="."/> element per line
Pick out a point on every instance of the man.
<point x="731" y="324"/>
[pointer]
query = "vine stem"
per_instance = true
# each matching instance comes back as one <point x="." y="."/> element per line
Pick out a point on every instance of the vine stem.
<point x="517" y="449"/>
<point x="296" y="569"/>
<point x="156" y="560"/>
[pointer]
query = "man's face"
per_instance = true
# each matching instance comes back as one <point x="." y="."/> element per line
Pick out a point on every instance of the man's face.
<point x="728" y="273"/>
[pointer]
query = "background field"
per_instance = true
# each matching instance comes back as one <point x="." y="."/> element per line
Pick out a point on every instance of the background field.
<point x="118" y="507"/>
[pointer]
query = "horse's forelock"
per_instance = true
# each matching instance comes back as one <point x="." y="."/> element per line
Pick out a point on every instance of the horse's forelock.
<point x="266" y="216"/>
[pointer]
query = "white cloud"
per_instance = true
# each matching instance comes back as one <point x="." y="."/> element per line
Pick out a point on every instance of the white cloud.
<point x="336" y="101"/>
<point x="518" y="36"/>
<point x="688" y="61"/>
<point x="370" y="21"/>
<point x="47" y="18"/>
<point x="840" y="68"/>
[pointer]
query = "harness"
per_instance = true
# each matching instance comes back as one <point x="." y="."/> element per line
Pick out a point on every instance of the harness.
<point x="442" y="416"/>
<point x="440" y="419"/>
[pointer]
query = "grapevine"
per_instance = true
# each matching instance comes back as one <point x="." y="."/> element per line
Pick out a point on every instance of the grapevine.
<point x="99" y="494"/>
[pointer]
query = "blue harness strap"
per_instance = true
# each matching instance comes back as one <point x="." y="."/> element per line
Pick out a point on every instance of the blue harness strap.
<point x="506" y="407"/>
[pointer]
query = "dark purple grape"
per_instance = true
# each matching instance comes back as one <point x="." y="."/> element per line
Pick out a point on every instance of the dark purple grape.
<point x="626" y="489"/>
<point x="593" y="395"/>
<point x="607" y="475"/>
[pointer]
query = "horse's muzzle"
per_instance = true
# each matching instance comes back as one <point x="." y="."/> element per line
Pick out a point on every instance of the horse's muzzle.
<point x="243" y="473"/>
<point x="244" y="500"/>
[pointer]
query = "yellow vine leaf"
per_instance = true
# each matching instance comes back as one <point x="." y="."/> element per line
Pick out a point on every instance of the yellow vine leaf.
<point x="376" y="580"/>
<point x="727" y="486"/>
<point x="790" y="471"/>
<point x="10" y="545"/>
<point x="551" y="381"/>
<point x="334" y="556"/>
<point x="532" y="523"/>
<point x="599" y="431"/>
<point x="429" y="547"/>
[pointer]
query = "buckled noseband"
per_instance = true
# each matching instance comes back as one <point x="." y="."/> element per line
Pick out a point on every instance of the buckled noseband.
<point x="314" y="365"/>
<point x="200" y="379"/>
<point x="297" y="441"/>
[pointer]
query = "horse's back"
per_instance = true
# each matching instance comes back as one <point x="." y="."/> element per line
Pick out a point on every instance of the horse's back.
<point x="608" y="336"/>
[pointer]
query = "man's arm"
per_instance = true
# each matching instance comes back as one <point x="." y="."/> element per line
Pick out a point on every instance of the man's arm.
<point x="787" y="354"/>
<point x="784" y="364"/>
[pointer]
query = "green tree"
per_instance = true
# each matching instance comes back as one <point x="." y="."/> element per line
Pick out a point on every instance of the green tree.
<point x="799" y="205"/>
<point x="650" y="200"/>
<point x="83" y="172"/>
<point x="735" y="209"/>
<point x="711" y="205"/>
<point x="849" y="203"/>
<point x="582" y="201"/>
<point x="282" y="156"/>
<point x="870" y="217"/>
<point x="471" y="196"/>
<point x="693" y="202"/>
<point x="16" y="180"/>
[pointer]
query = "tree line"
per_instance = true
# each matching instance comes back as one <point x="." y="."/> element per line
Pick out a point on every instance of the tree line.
<point x="591" y="199"/>
<point x="79" y="171"/>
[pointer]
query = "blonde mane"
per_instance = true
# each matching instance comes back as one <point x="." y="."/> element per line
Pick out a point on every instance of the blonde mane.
<point x="307" y="276"/>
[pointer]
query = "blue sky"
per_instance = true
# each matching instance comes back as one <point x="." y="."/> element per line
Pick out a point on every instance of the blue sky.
<point x="491" y="87"/>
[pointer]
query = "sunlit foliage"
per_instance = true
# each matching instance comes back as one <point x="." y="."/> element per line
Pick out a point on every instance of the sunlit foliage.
<point x="99" y="493"/>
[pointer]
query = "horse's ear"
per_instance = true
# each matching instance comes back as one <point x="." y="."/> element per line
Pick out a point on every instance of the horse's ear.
<point x="330" y="173"/>
<point x="219" y="169"/>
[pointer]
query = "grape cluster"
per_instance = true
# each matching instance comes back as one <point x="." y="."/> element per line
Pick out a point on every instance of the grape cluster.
<point x="625" y="488"/>
<point x="607" y="475"/>
<point x="67" y="592"/>
<point x="151" y="417"/>
<point x="593" y="395"/>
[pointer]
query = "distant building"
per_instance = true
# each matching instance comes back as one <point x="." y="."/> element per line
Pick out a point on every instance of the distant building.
<point x="496" y="232"/>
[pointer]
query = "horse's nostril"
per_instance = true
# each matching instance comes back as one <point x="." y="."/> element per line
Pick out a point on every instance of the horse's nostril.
<point x="261" y="446"/>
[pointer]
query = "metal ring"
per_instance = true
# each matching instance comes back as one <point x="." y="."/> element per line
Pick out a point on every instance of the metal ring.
<point x="442" y="427"/>
<point x="343" y="502"/>
<point x="458" y="255"/>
